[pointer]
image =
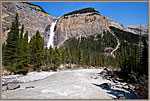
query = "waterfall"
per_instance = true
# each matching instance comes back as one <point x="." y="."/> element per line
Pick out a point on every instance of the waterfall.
<point x="52" y="33"/>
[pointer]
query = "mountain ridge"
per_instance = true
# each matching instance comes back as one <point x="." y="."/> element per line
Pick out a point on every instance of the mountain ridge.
<point x="70" y="25"/>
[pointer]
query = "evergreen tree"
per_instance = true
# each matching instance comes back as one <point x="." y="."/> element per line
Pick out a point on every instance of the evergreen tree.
<point x="22" y="55"/>
<point x="51" y="55"/>
<point x="80" y="57"/>
<point x="46" y="57"/>
<point x="3" y="52"/>
<point x="143" y="66"/>
<point x="57" y="58"/>
<point x="12" y="43"/>
<point x="22" y="30"/>
<point x="36" y="51"/>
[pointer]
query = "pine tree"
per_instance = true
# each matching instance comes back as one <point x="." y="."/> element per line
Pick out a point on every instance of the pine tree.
<point x="22" y="55"/>
<point x="57" y="58"/>
<point x="143" y="66"/>
<point x="12" y="43"/>
<point x="51" y="54"/>
<point x="22" y="30"/>
<point x="80" y="57"/>
<point x="25" y="52"/>
<point x="3" y="52"/>
<point x="36" y="51"/>
<point x="46" y="58"/>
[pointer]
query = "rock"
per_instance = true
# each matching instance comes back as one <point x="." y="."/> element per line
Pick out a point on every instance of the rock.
<point x="105" y="71"/>
<point x="121" y="96"/>
<point x="4" y="88"/>
<point x="118" y="79"/>
<point x="45" y="68"/>
<point x="36" y="20"/>
<point x="5" y="72"/>
<point x="29" y="87"/>
<point x="12" y="86"/>
<point x="131" y="87"/>
<point x="115" y="81"/>
<point x="105" y="85"/>
<point x="96" y="78"/>
<point x="137" y="28"/>
<point x="119" y="86"/>
<point x="126" y="87"/>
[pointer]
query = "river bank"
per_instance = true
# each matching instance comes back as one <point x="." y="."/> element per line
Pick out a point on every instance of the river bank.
<point x="67" y="84"/>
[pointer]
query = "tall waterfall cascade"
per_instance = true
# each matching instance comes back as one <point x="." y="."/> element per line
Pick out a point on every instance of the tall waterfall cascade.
<point x="52" y="33"/>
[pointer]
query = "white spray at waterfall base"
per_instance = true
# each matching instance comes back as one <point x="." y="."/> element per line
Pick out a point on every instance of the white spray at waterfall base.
<point x="52" y="33"/>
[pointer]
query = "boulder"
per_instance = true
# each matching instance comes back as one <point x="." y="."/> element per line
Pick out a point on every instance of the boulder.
<point x="12" y="86"/>
<point x="96" y="78"/>
<point x="45" y="68"/>
<point x="121" y="96"/>
<point x="126" y="87"/>
<point x="106" y="72"/>
<point x="5" y="72"/>
<point x="119" y="86"/>
<point x="29" y="87"/>
<point x="105" y="85"/>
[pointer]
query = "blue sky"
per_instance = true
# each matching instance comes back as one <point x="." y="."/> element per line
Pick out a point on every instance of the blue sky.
<point x="126" y="13"/>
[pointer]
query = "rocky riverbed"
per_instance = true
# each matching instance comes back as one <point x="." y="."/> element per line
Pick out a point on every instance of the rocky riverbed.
<point x="67" y="84"/>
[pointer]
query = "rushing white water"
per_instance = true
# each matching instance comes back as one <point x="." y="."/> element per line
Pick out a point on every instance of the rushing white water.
<point x="52" y="33"/>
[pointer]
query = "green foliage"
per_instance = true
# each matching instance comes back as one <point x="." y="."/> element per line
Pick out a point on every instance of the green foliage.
<point x="3" y="52"/>
<point x="144" y="59"/>
<point x="12" y="43"/>
<point x="22" y="30"/>
<point x="123" y="35"/>
<point x="89" y="50"/>
<point x="15" y="52"/>
<point x="56" y="58"/>
<point x="133" y="64"/>
<point x="36" y="51"/>
<point x="24" y="58"/>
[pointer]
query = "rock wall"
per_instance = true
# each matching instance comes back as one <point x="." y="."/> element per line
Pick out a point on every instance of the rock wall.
<point x="31" y="16"/>
<point x="139" y="29"/>
<point x="84" y="24"/>
<point x="80" y="25"/>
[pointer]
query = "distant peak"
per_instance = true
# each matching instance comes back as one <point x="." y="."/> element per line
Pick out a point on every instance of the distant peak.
<point x="84" y="10"/>
<point x="138" y="25"/>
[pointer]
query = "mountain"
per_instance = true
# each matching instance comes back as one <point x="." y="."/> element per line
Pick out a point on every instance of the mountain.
<point x="84" y="23"/>
<point x="78" y="23"/>
<point x="33" y="17"/>
<point x="143" y="29"/>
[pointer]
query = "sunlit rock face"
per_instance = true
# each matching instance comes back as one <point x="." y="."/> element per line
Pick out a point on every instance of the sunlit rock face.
<point x="75" y="24"/>
<point x="83" y="24"/>
<point x="139" y="29"/>
<point x="31" y="16"/>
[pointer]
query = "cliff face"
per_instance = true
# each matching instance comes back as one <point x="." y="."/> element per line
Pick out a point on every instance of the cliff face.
<point x="83" y="24"/>
<point x="78" y="23"/>
<point x="143" y="29"/>
<point x="33" y="18"/>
